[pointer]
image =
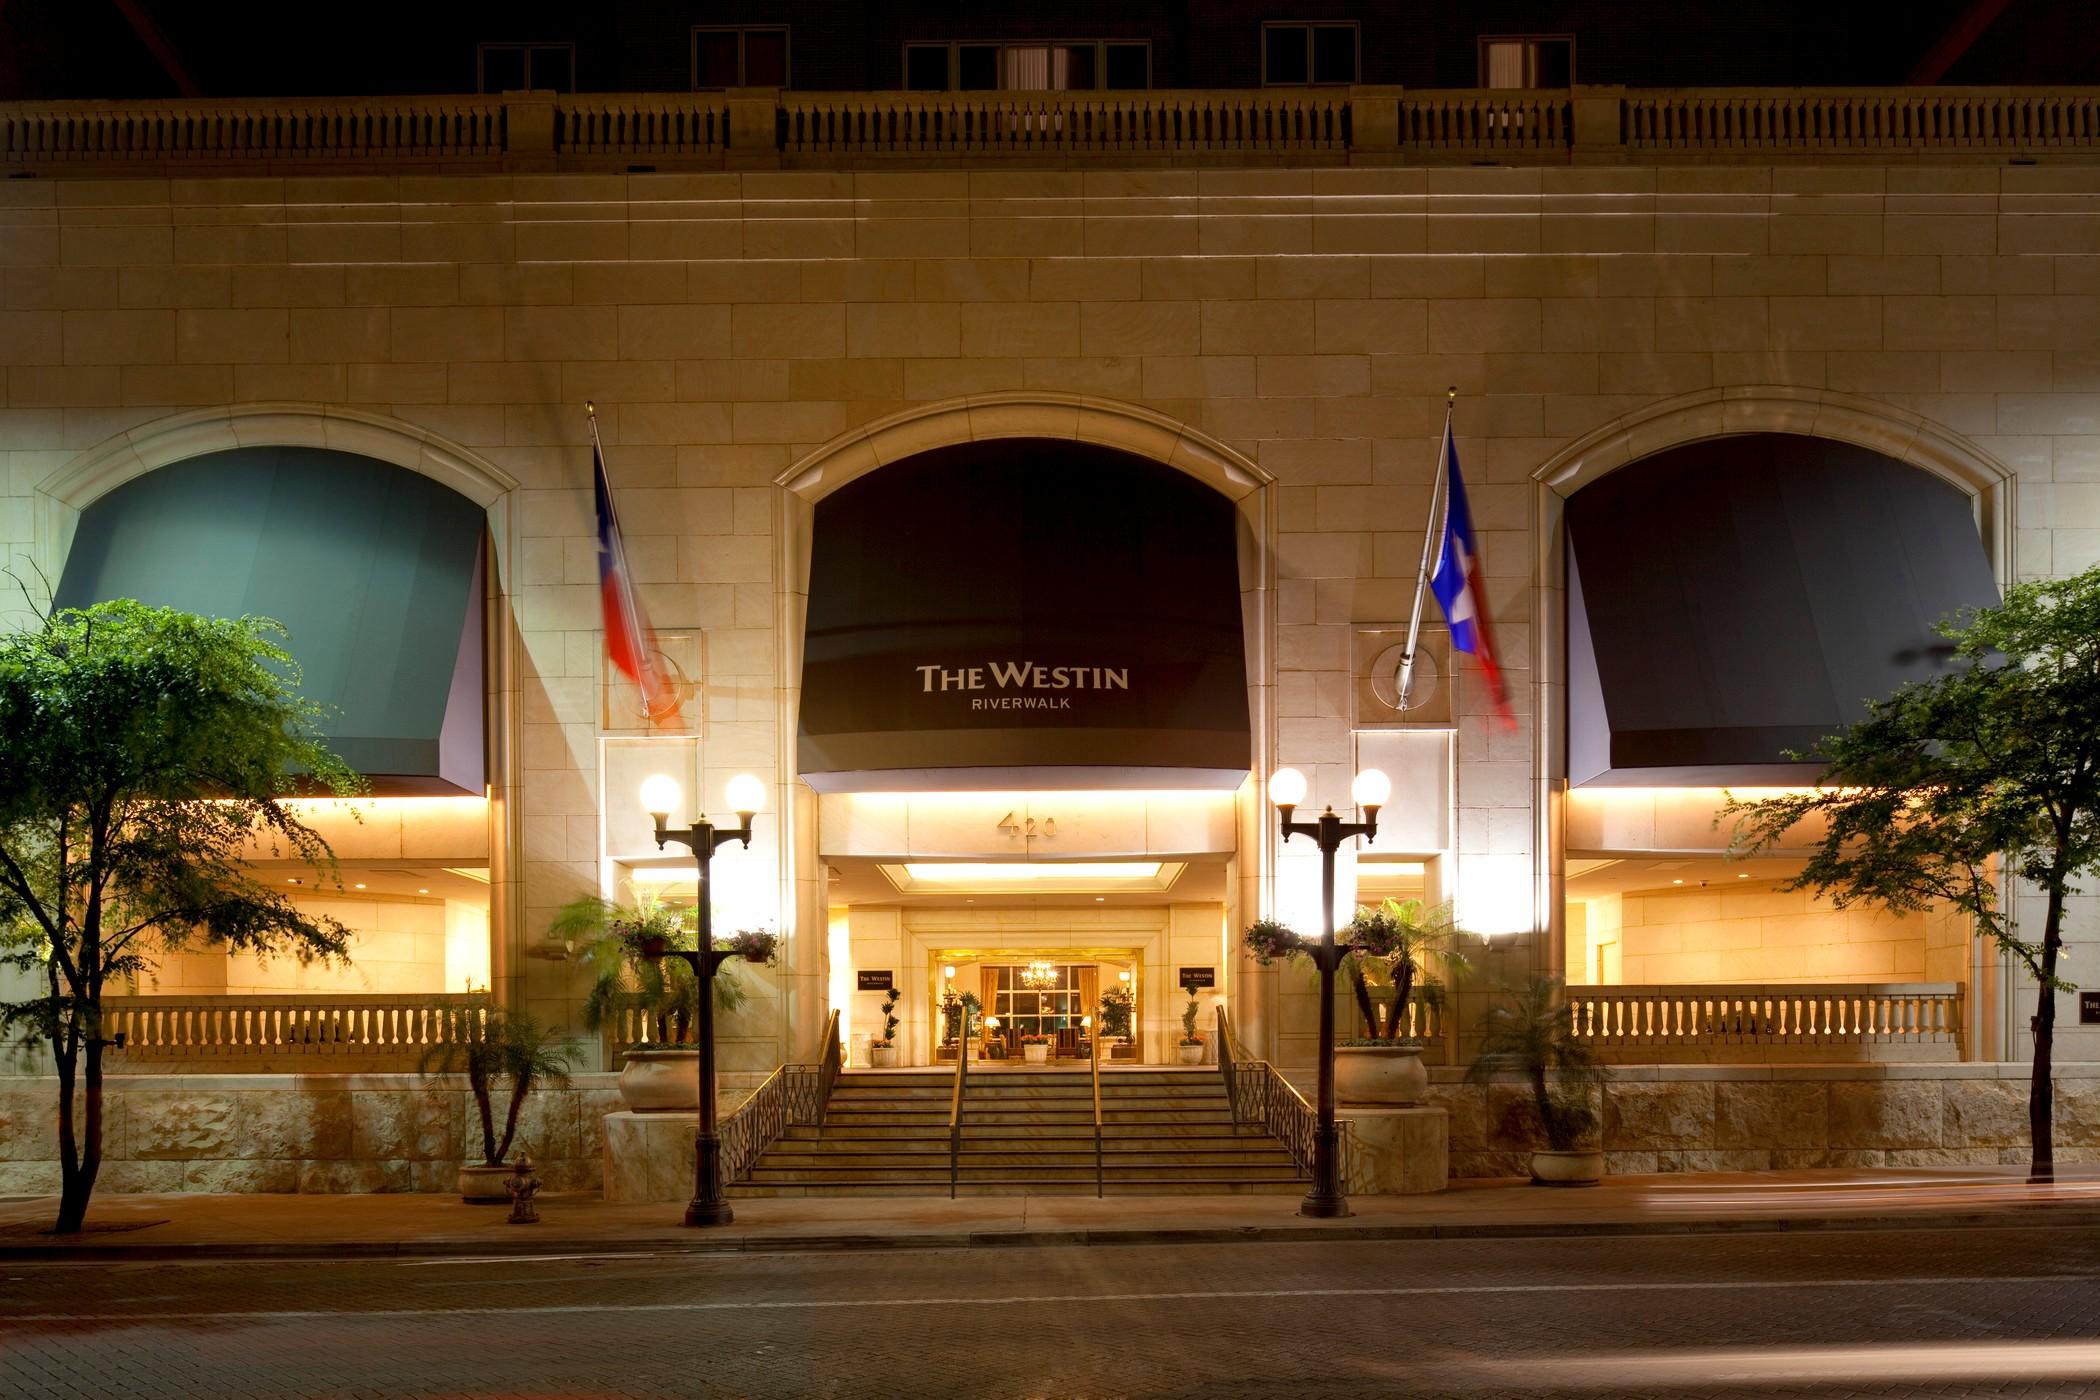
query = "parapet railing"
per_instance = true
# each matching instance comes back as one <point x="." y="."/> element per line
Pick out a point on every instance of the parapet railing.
<point x="793" y="1095"/>
<point x="381" y="1033"/>
<point x="749" y="128"/>
<point x="1871" y="1020"/>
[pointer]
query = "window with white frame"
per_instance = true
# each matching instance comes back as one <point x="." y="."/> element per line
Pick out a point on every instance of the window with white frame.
<point x="1527" y="60"/>
<point x="1304" y="54"/>
<point x="522" y="67"/>
<point x="1077" y="65"/>
<point x="727" y="56"/>
<point x="1037" y="1008"/>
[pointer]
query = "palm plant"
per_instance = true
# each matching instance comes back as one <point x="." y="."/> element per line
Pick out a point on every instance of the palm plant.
<point x="611" y="936"/>
<point x="1389" y="948"/>
<point x="1532" y="1036"/>
<point x="490" y="1045"/>
<point x="1117" y="1007"/>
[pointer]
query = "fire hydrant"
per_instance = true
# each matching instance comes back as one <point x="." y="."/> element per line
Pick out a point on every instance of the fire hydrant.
<point x="523" y="1186"/>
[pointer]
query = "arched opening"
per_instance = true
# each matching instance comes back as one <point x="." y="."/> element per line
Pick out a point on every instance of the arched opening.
<point x="988" y="822"/>
<point x="1740" y="577"/>
<point x="378" y="554"/>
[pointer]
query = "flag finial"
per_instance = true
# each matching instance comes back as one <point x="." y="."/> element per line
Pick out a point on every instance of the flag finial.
<point x="590" y="408"/>
<point x="1451" y="394"/>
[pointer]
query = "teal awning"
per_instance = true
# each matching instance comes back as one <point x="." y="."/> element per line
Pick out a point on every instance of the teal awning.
<point x="374" y="569"/>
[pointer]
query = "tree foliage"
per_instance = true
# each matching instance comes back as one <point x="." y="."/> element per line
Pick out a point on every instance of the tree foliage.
<point x="491" y="1046"/>
<point x="1530" y="1034"/>
<point x="144" y="754"/>
<point x="1994" y="764"/>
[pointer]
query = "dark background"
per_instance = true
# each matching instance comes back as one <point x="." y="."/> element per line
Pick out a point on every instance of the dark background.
<point x="228" y="48"/>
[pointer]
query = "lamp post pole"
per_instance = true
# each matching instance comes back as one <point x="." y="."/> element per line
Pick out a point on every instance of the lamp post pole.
<point x="710" y="1203"/>
<point x="1326" y="1200"/>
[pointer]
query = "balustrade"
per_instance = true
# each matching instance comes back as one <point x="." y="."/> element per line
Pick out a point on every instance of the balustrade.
<point x="381" y="1033"/>
<point x="1870" y="1020"/>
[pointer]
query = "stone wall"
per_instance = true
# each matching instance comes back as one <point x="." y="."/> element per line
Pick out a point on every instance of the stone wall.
<point x="1671" y="1118"/>
<point x="298" y="1133"/>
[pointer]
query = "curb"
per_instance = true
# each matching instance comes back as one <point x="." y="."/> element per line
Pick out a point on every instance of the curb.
<point x="2004" y="1217"/>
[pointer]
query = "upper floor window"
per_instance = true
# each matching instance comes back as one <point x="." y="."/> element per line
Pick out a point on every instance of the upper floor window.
<point x="521" y="67"/>
<point x="1064" y="66"/>
<point x="1527" y="60"/>
<point x="1297" y="54"/>
<point x="725" y="57"/>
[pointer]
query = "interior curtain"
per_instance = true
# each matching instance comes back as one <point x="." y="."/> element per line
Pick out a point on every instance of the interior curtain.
<point x="1090" y="993"/>
<point x="988" y="988"/>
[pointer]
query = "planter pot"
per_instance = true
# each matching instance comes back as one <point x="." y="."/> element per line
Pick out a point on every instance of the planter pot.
<point x="882" y="1056"/>
<point x="661" y="1081"/>
<point x="1567" y="1168"/>
<point x="976" y="1051"/>
<point x="1189" y="1054"/>
<point x="482" y="1185"/>
<point x="1392" y="1075"/>
<point x="1036" y="1054"/>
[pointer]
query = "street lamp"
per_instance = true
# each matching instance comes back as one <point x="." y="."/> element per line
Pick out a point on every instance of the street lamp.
<point x="661" y="796"/>
<point x="1287" y="789"/>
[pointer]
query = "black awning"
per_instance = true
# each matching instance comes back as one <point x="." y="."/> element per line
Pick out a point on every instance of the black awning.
<point x="374" y="569"/>
<point x="1024" y="613"/>
<point x="1734" y="600"/>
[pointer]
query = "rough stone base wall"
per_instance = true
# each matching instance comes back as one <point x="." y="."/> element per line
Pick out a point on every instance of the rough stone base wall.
<point x="299" y="1133"/>
<point x="1684" y="1118"/>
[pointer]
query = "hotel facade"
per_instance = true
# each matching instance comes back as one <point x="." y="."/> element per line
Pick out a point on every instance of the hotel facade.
<point x="1014" y="479"/>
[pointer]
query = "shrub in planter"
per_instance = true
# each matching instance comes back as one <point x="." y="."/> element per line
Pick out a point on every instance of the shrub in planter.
<point x="1118" y="1012"/>
<point x="1035" y="1048"/>
<point x="611" y="937"/>
<point x="1531" y="1035"/>
<point x="491" y="1046"/>
<point x="883" y="1052"/>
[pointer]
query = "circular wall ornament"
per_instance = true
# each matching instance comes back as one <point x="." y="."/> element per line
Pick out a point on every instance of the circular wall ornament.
<point x="1385" y="678"/>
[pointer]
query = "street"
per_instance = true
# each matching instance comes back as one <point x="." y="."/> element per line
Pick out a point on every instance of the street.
<point x="1895" y="1312"/>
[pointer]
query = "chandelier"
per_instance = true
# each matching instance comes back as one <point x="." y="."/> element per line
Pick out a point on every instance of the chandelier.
<point x="1040" y="974"/>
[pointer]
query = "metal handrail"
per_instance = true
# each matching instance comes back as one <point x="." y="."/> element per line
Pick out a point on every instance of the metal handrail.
<point x="955" y="1105"/>
<point x="1260" y="1094"/>
<point x="792" y="1096"/>
<point x="1093" y="1044"/>
<point x="1225" y="1065"/>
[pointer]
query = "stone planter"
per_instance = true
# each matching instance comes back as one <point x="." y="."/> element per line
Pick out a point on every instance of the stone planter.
<point x="482" y="1185"/>
<point x="661" y="1081"/>
<point x="882" y="1056"/>
<point x="1036" y="1054"/>
<point x="1567" y="1168"/>
<point x="1386" y="1075"/>
<point x="1189" y="1054"/>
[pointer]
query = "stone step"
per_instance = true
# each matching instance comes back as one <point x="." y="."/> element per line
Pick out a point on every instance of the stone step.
<point x="1115" y="1163"/>
<point x="1162" y="1186"/>
<point x="973" y="1131"/>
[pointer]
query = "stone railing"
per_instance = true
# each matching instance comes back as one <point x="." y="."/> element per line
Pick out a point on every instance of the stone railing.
<point x="1834" y="1021"/>
<point x="762" y="128"/>
<point x="1027" y="123"/>
<point x="273" y="1034"/>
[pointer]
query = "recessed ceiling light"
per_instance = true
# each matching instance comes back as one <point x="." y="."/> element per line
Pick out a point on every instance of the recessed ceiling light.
<point x="1100" y="899"/>
<point x="1677" y="882"/>
<point x="1742" y="877"/>
<point x="360" y="884"/>
<point x="293" y="881"/>
<point x="422" y="891"/>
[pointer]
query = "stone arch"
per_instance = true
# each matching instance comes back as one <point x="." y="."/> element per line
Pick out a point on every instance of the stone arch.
<point x="1894" y="432"/>
<point x="1045" y="414"/>
<point x="93" y="473"/>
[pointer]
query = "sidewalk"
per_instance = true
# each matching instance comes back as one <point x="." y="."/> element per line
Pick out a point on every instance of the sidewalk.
<point x="179" y="1226"/>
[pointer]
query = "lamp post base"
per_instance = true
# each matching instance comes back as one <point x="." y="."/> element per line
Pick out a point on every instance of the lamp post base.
<point x="1318" y="1207"/>
<point x="703" y="1213"/>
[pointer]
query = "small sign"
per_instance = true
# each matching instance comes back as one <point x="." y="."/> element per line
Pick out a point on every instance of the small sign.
<point x="1194" y="977"/>
<point x="874" y="981"/>
<point x="2089" y="1008"/>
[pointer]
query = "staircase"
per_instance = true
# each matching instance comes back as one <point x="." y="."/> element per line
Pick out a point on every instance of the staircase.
<point x="1026" y="1132"/>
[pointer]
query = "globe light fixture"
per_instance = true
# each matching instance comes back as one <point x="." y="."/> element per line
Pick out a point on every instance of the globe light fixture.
<point x="662" y="796"/>
<point x="1371" y="789"/>
<point x="745" y="795"/>
<point x="1286" y="788"/>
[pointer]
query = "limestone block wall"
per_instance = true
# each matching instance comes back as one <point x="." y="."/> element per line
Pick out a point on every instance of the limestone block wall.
<point x="299" y="1133"/>
<point x="1757" y="932"/>
<point x="1672" y="1118"/>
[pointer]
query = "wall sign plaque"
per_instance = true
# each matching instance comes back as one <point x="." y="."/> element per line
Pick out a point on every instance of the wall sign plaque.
<point x="2089" y="1008"/>
<point x="1193" y="978"/>
<point x="874" y="981"/>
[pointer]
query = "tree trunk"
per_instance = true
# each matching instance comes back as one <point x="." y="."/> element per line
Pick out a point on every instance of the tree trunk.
<point x="519" y="1088"/>
<point x="2041" y="1090"/>
<point x="1364" y="1006"/>
<point x="80" y="1152"/>
<point x="1403" y="987"/>
<point x="73" y="1189"/>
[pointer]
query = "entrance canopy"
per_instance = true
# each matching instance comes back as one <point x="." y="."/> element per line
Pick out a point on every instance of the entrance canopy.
<point x="1734" y="600"/>
<point x="1026" y="614"/>
<point x="375" y="571"/>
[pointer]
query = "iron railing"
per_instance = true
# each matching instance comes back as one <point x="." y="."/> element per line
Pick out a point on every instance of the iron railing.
<point x="1260" y="1094"/>
<point x="792" y="1096"/>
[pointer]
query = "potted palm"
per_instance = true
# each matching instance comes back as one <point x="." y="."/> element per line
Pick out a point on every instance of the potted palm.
<point x="882" y="1054"/>
<point x="1532" y="1036"/>
<point x="1190" y="1051"/>
<point x="653" y="1000"/>
<point x="1386" y="953"/>
<point x="492" y="1047"/>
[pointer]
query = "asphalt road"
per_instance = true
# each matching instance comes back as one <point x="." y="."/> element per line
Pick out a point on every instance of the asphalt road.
<point x="1959" y="1312"/>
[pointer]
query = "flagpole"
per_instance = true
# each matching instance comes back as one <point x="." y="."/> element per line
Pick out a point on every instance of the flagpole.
<point x="1429" y="539"/>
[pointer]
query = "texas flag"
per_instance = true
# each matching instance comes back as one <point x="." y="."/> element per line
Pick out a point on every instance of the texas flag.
<point x="629" y="642"/>
<point x="1458" y="585"/>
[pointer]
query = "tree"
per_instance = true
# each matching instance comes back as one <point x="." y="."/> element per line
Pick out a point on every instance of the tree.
<point x="143" y="753"/>
<point x="491" y="1046"/>
<point x="1993" y="767"/>
<point x="1531" y="1035"/>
